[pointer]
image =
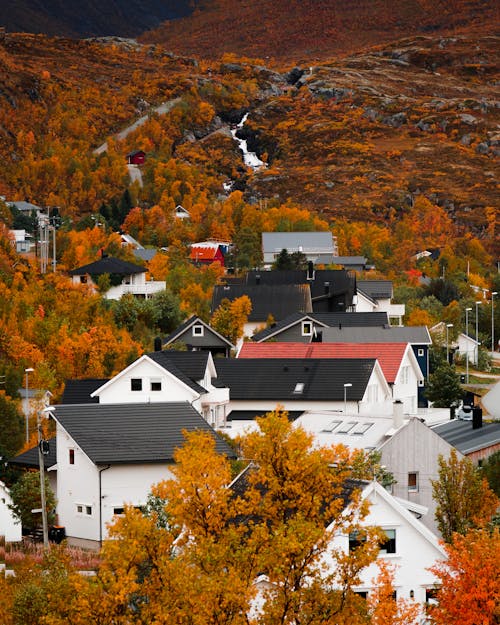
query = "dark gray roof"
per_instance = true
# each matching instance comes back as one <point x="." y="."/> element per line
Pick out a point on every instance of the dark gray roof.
<point x="375" y="289"/>
<point x="307" y="242"/>
<point x="276" y="378"/>
<point x="21" y="205"/>
<point x="79" y="391"/>
<point x="267" y="299"/>
<point x="350" y="319"/>
<point x="250" y="415"/>
<point x="177" y="334"/>
<point x="192" y="364"/>
<point x="108" y="264"/>
<point x="416" y="335"/>
<point x="29" y="458"/>
<point x="133" y="433"/>
<point x="461" y="435"/>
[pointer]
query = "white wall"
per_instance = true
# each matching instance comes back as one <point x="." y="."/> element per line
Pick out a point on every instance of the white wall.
<point x="78" y="485"/>
<point x="416" y="549"/>
<point x="9" y="527"/>
<point x="117" y="391"/>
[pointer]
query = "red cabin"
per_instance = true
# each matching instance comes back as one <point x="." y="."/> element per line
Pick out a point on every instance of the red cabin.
<point x="137" y="157"/>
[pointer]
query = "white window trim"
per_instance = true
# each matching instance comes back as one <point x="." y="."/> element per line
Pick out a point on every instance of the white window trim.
<point x="308" y="324"/>
<point x="84" y="507"/>
<point x="198" y="330"/>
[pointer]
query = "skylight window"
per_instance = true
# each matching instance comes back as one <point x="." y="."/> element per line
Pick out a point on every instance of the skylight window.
<point x="299" y="388"/>
<point x="331" y="426"/>
<point x="345" y="428"/>
<point x="362" y="428"/>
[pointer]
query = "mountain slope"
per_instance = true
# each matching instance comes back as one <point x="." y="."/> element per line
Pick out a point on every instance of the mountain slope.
<point x="292" y="30"/>
<point x="86" y="18"/>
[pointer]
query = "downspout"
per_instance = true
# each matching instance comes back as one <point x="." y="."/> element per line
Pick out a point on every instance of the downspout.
<point x="100" y="503"/>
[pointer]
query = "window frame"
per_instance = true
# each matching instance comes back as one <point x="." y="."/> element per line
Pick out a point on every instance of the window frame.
<point x="155" y="382"/>
<point x="198" y="330"/>
<point x="71" y="456"/>
<point x="136" y="382"/>
<point x="413" y="487"/>
<point x="389" y="546"/>
<point x="307" y="324"/>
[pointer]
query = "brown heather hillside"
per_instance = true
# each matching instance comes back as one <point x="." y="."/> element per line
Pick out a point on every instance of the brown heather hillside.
<point x="291" y="30"/>
<point x="359" y="138"/>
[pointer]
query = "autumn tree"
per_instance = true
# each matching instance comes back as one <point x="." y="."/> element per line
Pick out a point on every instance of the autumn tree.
<point x="230" y="317"/>
<point x="12" y="427"/>
<point x="464" y="499"/>
<point x="384" y="608"/>
<point x="491" y="471"/>
<point x="25" y="494"/>
<point x="444" y="388"/>
<point x="469" y="580"/>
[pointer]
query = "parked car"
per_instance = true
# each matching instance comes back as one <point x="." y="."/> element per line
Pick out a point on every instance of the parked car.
<point x="464" y="412"/>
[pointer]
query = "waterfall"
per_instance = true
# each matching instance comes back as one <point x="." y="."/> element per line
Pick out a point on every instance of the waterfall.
<point x="249" y="158"/>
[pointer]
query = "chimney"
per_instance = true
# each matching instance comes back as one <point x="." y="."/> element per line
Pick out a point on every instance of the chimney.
<point x="397" y="413"/>
<point x="310" y="270"/>
<point x="326" y="288"/>
<point x="157" y="344"/>
<point x="477" y="418"/>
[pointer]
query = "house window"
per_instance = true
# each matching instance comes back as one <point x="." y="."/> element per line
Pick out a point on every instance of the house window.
<point x="405" y="375"/>
<point x="119" y="511"/>
<point x="388" y="545"/>
<point x="331" y="426"/>
<point x="362" y="428"/>
<point x="346" y="427"/>
<point x="299" y="388"/>
<point x="156" y="385"/>
<point x="420" y="382"/>
<point x="83" y="509"/>
<point x="198" y="330"/>
<point x="413" y="482"/>
<point x="307" y="328"/>
<point x="83" y="279"/>
<point x="420" y="352"/>
<point x="71" y="456"/>
<point x="361" y="593"/>
<point x="355" y="540"/>
<point x="136" y="384"/>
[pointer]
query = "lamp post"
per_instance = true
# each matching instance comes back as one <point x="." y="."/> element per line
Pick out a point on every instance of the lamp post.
<point x="467" y="310"/>
<point x="493" y="293"/>
<point x="27" y="411"/>
<point x="477" y="321"/>
<point x="41" y="467"/>
<point x="346" y="386"/>
<point x="448" y="326"/>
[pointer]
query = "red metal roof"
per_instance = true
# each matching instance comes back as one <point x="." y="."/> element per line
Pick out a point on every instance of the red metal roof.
<point x="389" y="355"/>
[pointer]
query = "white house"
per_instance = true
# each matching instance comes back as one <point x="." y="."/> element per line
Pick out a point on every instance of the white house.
<point x="376" y="296"/>
<point x="411" y="547"/>
<point x="397" y="360"/>
<point x="131" y="278"/>
<point x="311" y="244"/>
<point x="110" y="455"/>
<point x="10" y="526"/>
<point x="468" y="348"/>
<point x="166" y="376"/>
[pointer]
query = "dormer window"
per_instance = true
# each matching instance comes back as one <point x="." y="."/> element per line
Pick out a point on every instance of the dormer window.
<point x="198" y="330"/>
<point x="307" y="328"/>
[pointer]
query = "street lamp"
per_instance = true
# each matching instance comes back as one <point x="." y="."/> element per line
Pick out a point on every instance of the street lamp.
<point x="477" y="318"/>
<point x="493" y="293"/>
<point x="467" y="310"/>
<point x="42" y="444"/>
<point x="27" y="410"/>
<point x="346" y="386"/>
<point x="448" y="326"/>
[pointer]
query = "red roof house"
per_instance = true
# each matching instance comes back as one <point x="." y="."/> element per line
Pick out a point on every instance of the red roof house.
<point x="207" y="255"/>
<point x="137" y="157"/>
<point x="389" y="355"/>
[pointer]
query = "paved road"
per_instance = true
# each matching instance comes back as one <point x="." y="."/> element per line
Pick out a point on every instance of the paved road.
<point x="161" y="110"/>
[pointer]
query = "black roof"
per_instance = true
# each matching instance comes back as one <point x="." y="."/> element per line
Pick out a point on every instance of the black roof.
<point x="461" y="435"/>
<point x="29" y="458"/>
<point x="375" y="288"/>
<point x="108" y="264"/>
<point x="336" y="281"/>
<point x="191" y="364"/>
<point x="328" y="319"/>
<point x="267" y="299"/>
<point x="250" y="415"/>
<point x="133" y="433"/>
<point x="79" y="391"/>
<point x="277" y="378"/>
